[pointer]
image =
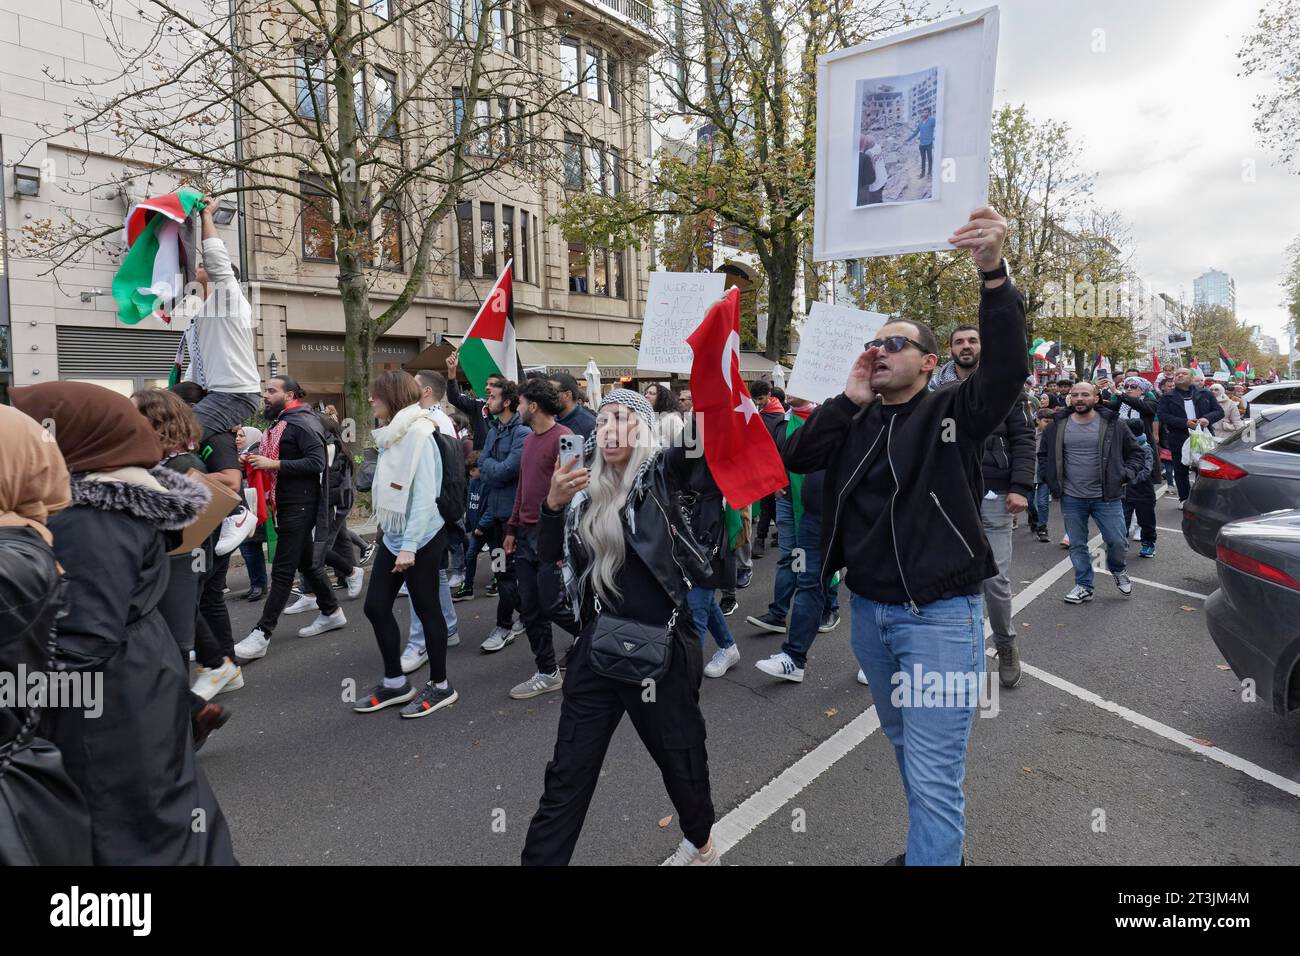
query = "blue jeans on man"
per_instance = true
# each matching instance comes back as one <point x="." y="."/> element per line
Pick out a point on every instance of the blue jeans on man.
<point x="811" y="601"/>
<point x="1042" y="504"/>
<point x="708" y="617"/>
<point x="896" y="647"/>
<point x="416" y="637"/>
<point x="783" y="589"/>
<point x="1109" y="516"/>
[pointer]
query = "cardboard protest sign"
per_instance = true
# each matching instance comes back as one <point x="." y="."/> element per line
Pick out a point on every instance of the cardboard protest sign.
<point x="674" y="309"/>
<point x="830" y="341"/>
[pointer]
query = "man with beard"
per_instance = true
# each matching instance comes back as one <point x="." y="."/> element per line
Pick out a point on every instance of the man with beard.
<point x="293" y="462"/>
<point x="1008" y="469"/>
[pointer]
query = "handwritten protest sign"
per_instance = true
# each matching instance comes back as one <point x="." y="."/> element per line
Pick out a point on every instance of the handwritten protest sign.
<point x="830" y="341"/>
<point x="673" y="310"/>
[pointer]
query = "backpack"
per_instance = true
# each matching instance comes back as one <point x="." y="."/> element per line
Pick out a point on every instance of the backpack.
<point x="451" y="497"/>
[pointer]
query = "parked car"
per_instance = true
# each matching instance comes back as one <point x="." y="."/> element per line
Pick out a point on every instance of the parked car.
<point x="1254" y="615"/>
<point x="1272" y="395"/>
<point x="1250" y="472"/>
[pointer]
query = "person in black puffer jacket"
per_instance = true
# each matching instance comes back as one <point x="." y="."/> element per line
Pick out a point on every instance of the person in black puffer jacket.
<point x="43" y="816"/>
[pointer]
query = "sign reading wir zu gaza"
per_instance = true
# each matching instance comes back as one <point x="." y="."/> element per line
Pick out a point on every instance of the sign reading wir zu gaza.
<point x="674" y="309"/>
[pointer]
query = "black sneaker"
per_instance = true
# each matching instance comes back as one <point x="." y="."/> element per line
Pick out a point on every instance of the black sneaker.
<point x="463" y="593"/>
<point x="382" y="697"/>
<point x="768" y="622"/>
<point x="367" y="553"/>
<point x="743" y="577"/>
<point x="1042" y="535"/>
<point x="491" y="589"/>
<point x="431" y="699"/>
<point x="728" y="605"/>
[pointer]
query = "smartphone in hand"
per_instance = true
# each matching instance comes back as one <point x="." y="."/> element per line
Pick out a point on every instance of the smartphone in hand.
<point x="571" y="449"/>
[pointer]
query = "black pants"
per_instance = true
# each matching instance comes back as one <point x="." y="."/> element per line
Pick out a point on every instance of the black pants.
<point x="507" y="583"/>
<point x="532" y="612"/>
<point x="1182" y="474"/>
<point x="422" y="582"/>
<point x="670" y="725"/>
<point x="340" y="556"/>
<point x="213" y="638"/>
<point x="927" y="158"/>
<point x="294" y="552"/>
<point x="766" y="516"/>
<point x="1146" y="512"/>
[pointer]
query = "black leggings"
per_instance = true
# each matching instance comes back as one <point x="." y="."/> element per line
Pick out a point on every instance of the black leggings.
<point x="422" y="582"/>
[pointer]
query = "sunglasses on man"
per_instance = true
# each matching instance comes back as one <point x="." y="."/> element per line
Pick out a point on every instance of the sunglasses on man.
<point x="894" y="344"/>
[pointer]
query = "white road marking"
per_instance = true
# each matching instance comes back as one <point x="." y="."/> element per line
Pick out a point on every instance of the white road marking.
<point x="757" y="808"/>
<point x="1161" y="527"/>
<point x="1164" y="587"/>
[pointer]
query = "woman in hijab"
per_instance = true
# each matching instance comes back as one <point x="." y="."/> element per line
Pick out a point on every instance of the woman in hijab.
<point x="133" y="758"/>
<point x="1231" y="421"/>
<point x="43" y="817"/>
<point x="248" y="441"/>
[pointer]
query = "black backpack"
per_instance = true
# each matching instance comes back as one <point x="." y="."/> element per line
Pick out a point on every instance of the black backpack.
<point x="451" y="498"/>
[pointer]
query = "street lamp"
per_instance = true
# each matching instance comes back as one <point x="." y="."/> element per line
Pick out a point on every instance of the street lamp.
<point x="272" y="366"/>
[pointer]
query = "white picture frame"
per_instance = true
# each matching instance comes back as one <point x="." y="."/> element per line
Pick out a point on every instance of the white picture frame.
<point x="963" y="51"/>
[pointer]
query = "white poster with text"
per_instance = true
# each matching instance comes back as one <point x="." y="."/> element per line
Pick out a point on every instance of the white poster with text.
<point x="830" y="341"/>
<point x="674" y="309"/>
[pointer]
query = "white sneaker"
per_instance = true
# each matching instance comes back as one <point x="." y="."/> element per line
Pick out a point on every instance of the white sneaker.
<point x="862" y="678"/>
<point x="235" y="530"/>
<point x="498" y="639"/>
<point x="722" y="661"/>
<point x="537" y="685"/>
<point x="453" y="640"/>
<point x="688" y="855"/>
<point x="209" y="681"/>
<point x="323" y="623"/>
<point x="356" y="580"/>
<point x="413" y="659"/>
<point x="305" y="603"/>
<point x="253" y="646"/>
<point x="517" y="628"/>
<point x="235" y="683"/>
<point x="456" y="580"/>
<point x="780" y="665"/>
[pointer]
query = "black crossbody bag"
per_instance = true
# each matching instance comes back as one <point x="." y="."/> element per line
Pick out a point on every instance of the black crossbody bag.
<point x="630" y="651"/>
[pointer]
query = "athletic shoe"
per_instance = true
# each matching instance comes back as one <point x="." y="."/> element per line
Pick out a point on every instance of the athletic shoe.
<point x="1065" y="541"/>
<point x="688" y="855"/>
<point x="1182" y="504"/>
<point x="463" y="593"/>
<point x="517" y="628"/>
<point x="499" y="638"/>
<point x="780" y="665"/>
<point x="491" y="589"/>
<point x="381" y="697"/>
<point x="537" y="685"/>
<point x="758" y="551"/>
<point x="413" y="659"/>
<point x="830" y="621"/>
<point x="211" y="717"/>
<point x="1078" y="594"/>
<point x="430" y="699"/>
<point x="252" y="647"/>
<point x="1042" y="535"/>
<point x="1008" y="665"/>
<point x="356" y="580"/>
<point x="1147" y="551"/>
<point x="235" y="530"/>
<point x="1122" y="582"/>
<point x="305" y="603"/>
<point x="862" y="678"/>
<point x="367" y="553"/>
<point x="768" y="622"/>
<point x="323" y="623"/>
<point x="728" y="606"/>
<point x="235" y="683"/>
<point x="722" y="661"/>
<point x="743" y="577"/>
<point x="453" y="639"/>
<point x="209" y="681"/>
<point x="454" y="581"/>
<point x="255" y="594"/>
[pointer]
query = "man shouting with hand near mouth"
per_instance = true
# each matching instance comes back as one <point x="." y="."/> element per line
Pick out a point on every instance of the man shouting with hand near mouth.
<point x="902" y="513"/>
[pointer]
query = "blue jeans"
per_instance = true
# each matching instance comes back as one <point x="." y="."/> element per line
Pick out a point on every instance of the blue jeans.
<point x="708" y="617"/>
<point x="895" y="645"/>
<point x="811" y="601"/>
<point x="255" y="561"/>
<point x="1042" y="503"/>
<point x="783" y="590"/>
<point x="476" y="544"/>
<point x="1109" y="516"/>
<point x="416" y="638"/>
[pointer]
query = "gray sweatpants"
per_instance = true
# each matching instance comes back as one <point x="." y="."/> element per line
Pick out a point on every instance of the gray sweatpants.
<point x="997" y="590"/>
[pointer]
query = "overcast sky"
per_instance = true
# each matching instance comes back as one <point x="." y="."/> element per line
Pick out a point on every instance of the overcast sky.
<point x="1165" y="122"/>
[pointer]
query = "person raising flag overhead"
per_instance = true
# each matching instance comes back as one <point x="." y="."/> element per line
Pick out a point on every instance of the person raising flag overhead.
<point x="737" y="444"/>
<point x="488" y="348"/>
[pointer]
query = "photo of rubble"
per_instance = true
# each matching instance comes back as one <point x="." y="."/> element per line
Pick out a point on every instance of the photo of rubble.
<point x="897" y="137"/>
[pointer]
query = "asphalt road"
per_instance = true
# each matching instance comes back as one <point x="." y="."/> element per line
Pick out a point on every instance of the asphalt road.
<point x="1126" y="743"/>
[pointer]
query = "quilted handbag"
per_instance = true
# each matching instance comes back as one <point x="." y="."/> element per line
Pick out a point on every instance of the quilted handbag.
<point x="630" y="651"/>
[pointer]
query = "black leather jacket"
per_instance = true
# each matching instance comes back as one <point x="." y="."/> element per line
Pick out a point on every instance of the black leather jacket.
<point x="679" y="529"/>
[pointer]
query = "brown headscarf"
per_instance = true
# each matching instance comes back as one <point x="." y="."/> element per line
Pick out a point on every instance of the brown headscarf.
<point x="96" y="428"/>
<point x="33" y="478"/>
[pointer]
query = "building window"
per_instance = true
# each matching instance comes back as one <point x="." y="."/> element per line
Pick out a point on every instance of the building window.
<point x="456" y="24"/>
<point x="596" y="167"/>
<point x="569" y="64"/>
<point x="600" y="272"/>
<point x="616" y="275"/>
<point x="465" y="238"/>
<point x="482" y="130"/>
<point x="457" y="109"/>
<point x="615" y="171"/>
<point x="475" y="19"/>
<point x="504" y="124"/>
<point x="501" y="32"/>
<point x="386" y="103"/>
<point x="525" y="250"/>
<point x="311" y="84"/>
<point x="594" y="81"/>
<point x="378" y="7"/>
<point x="611" y="79"/>
<point x="572" y="161"/>
<point x="359" y="99"/>
<point x="517" y="9"/>
<point x="521" y="133"/>
<point x="317" y="221"/>
<point x="508" y="236"/>
<point x="577" y="267"/>
<point x="388" y="246"/>
<point x="487" y="214"/>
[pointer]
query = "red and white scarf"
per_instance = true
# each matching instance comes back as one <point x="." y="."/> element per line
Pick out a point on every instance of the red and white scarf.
<point x="270" y="447"/>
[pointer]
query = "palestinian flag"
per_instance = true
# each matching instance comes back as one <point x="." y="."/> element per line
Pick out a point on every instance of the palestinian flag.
<point x="489" y="344"/>
<point x="1155" y="362"/>
<point x="793" y="422"/>
<point x="1048" y="352"/>
<point x="159" y="259"/>
<point x="1226" y="365"/>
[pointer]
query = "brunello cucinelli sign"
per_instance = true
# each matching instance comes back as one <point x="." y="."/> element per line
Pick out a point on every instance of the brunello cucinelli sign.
<point x="331" y="348"/>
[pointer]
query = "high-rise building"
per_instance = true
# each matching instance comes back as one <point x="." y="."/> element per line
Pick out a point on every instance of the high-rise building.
<point x="1215" y="288"/>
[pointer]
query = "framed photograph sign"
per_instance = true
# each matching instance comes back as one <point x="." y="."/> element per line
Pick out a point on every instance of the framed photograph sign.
<point x="903" y="127"/>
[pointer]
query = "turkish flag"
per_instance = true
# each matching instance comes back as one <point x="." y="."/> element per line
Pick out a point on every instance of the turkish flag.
<point x="738" y="448"/>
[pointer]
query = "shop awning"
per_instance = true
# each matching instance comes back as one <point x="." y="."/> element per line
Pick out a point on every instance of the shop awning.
<point x="614" y="361"/>
<point x="756" y="365"/>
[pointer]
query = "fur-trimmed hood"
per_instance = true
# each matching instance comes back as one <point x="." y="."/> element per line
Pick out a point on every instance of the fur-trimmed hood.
<point x="170" y="510"/>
